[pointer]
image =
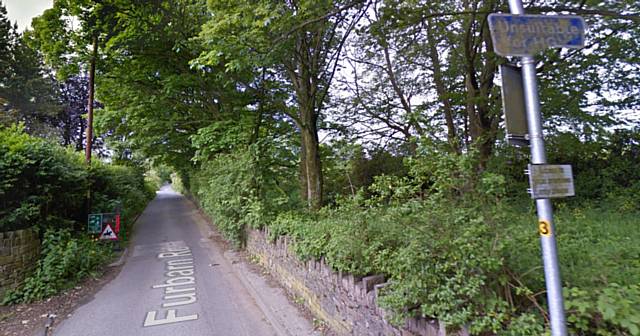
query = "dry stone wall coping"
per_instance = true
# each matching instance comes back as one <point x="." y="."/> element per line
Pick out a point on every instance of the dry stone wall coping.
<point x="347" y="303"/>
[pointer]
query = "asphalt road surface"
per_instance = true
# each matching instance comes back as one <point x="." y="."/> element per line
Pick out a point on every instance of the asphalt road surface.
<point x="176" y="281"/>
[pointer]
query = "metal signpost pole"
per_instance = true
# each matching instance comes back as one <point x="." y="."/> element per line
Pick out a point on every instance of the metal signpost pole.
<point x="545" y="211"/>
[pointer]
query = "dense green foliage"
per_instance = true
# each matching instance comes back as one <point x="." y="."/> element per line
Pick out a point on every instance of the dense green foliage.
<point x="158" y="175"/>
<point x="34" y="173"/>
<point x="27" y="89"/>
<point x="45" y="185"/>
<point x="472" y="257"/>
<point x="385" y="112"/>
<point x="238" y="193"/>
<point x="454" y="245"/>
<point x="65" y="260"/>
<point x="599" y="256"/>
<point x="49" y="188"/>
<point x="226" y="190"/>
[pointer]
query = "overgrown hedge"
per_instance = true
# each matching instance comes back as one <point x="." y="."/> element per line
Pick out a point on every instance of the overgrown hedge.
<point x="453" y="247"/>
<point x="49" y="188"/>
<point x="65" y="259"/>
<point x="243" y="189"/>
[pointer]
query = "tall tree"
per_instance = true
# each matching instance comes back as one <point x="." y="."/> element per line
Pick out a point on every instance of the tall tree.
<point x="7" y="39"/>
<point x="155" y="102"/>
<point x="67" y="48"/>
<point x="385" y="95"/>
<point x="450" y="42"/>
<point x="446" y="48"/>
<point x="598" y="87"/>
<point x="27" y="89"/>
<point x="301" y="42"/>
<point x="426" y="69"/>
<point x="73" y="97"/>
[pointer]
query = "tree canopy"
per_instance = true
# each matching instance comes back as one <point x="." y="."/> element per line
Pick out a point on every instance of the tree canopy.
<point x="341" y="123"/>
<point x="183" y="78"/>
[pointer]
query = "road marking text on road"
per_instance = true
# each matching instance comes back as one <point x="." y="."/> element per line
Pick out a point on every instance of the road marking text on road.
<point x="179" y="288"/>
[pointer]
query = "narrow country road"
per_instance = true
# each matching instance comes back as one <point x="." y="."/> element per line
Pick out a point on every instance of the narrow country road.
<point x="177" y="282"/>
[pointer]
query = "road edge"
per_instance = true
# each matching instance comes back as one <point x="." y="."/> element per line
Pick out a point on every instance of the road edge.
<point x="289" y="321"/>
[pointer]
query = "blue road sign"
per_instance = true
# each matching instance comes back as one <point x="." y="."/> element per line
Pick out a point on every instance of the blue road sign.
<point x="526" y="35"/>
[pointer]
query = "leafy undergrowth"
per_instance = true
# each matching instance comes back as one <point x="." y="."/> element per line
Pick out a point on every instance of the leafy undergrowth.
<point x="452" y="246"/>
<point x="64" y="260"/>
<point x="599" y="253"/>
<point x="47" y="187"/>
<point x="463" y="255"/>
<point x="469" y="266"/>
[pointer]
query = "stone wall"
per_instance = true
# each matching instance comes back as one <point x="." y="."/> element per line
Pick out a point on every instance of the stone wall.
<point x="346" y="303"/>
<point x="19" y="252"/>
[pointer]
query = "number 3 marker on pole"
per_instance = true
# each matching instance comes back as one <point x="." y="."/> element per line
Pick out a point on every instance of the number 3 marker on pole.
<point x="545" y="228"/>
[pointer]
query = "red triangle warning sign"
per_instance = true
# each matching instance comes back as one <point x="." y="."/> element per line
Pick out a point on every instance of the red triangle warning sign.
<point x="108" y="233"/>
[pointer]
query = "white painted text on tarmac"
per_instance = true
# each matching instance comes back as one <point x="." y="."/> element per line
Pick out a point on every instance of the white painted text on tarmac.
<point x="179" y="287"/>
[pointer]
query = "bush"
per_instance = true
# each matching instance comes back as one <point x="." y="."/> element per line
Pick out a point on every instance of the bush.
<point x="438" y="252"/>
<point x="604" y="165"/>
<point x="122" y="187"/>
<point x="599" y="259"/>
<point x="45" y="185"/>
<point x="237" y="191"/>
<point x="347" y="168"/>
<point x="449" y="244"/>
<point x="42" y="183"/>
<point x="452" y="249"/>
<point x="226" y="190"/>
<point x="177" y="183"/>
<point x="612" y="310"/>
<point x="64" y="260"/>
<point x="158" y="175"/>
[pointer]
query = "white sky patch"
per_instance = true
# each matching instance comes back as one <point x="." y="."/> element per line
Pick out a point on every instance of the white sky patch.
<point x="23" y="11"/>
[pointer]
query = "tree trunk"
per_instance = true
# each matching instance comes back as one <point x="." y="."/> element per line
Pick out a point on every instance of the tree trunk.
<point x="92" y="74"/>
<point x="302" y="177"/>
<point x="67" y="128"/>
<point x="79" y="136"/>
<point x="303" y="72"/>
<point x="441" y="90"/>
<point x="482" y="125"/>
<point x="479" y="75"/>
<point x="312" y="167"/>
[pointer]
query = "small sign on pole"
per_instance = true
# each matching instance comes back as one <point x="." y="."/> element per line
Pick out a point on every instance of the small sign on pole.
<point x="551" y="181"/>
<point x="515" y="114"/>
<point x="526" y="35"/>
<point x="95" y="223"/>
<point x="108" y="233"/>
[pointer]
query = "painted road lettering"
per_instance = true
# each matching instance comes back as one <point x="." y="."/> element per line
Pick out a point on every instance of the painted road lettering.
<point x="179" y="287"/>
<point x="151" y="320"/>
<point x="179" y="281"/>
